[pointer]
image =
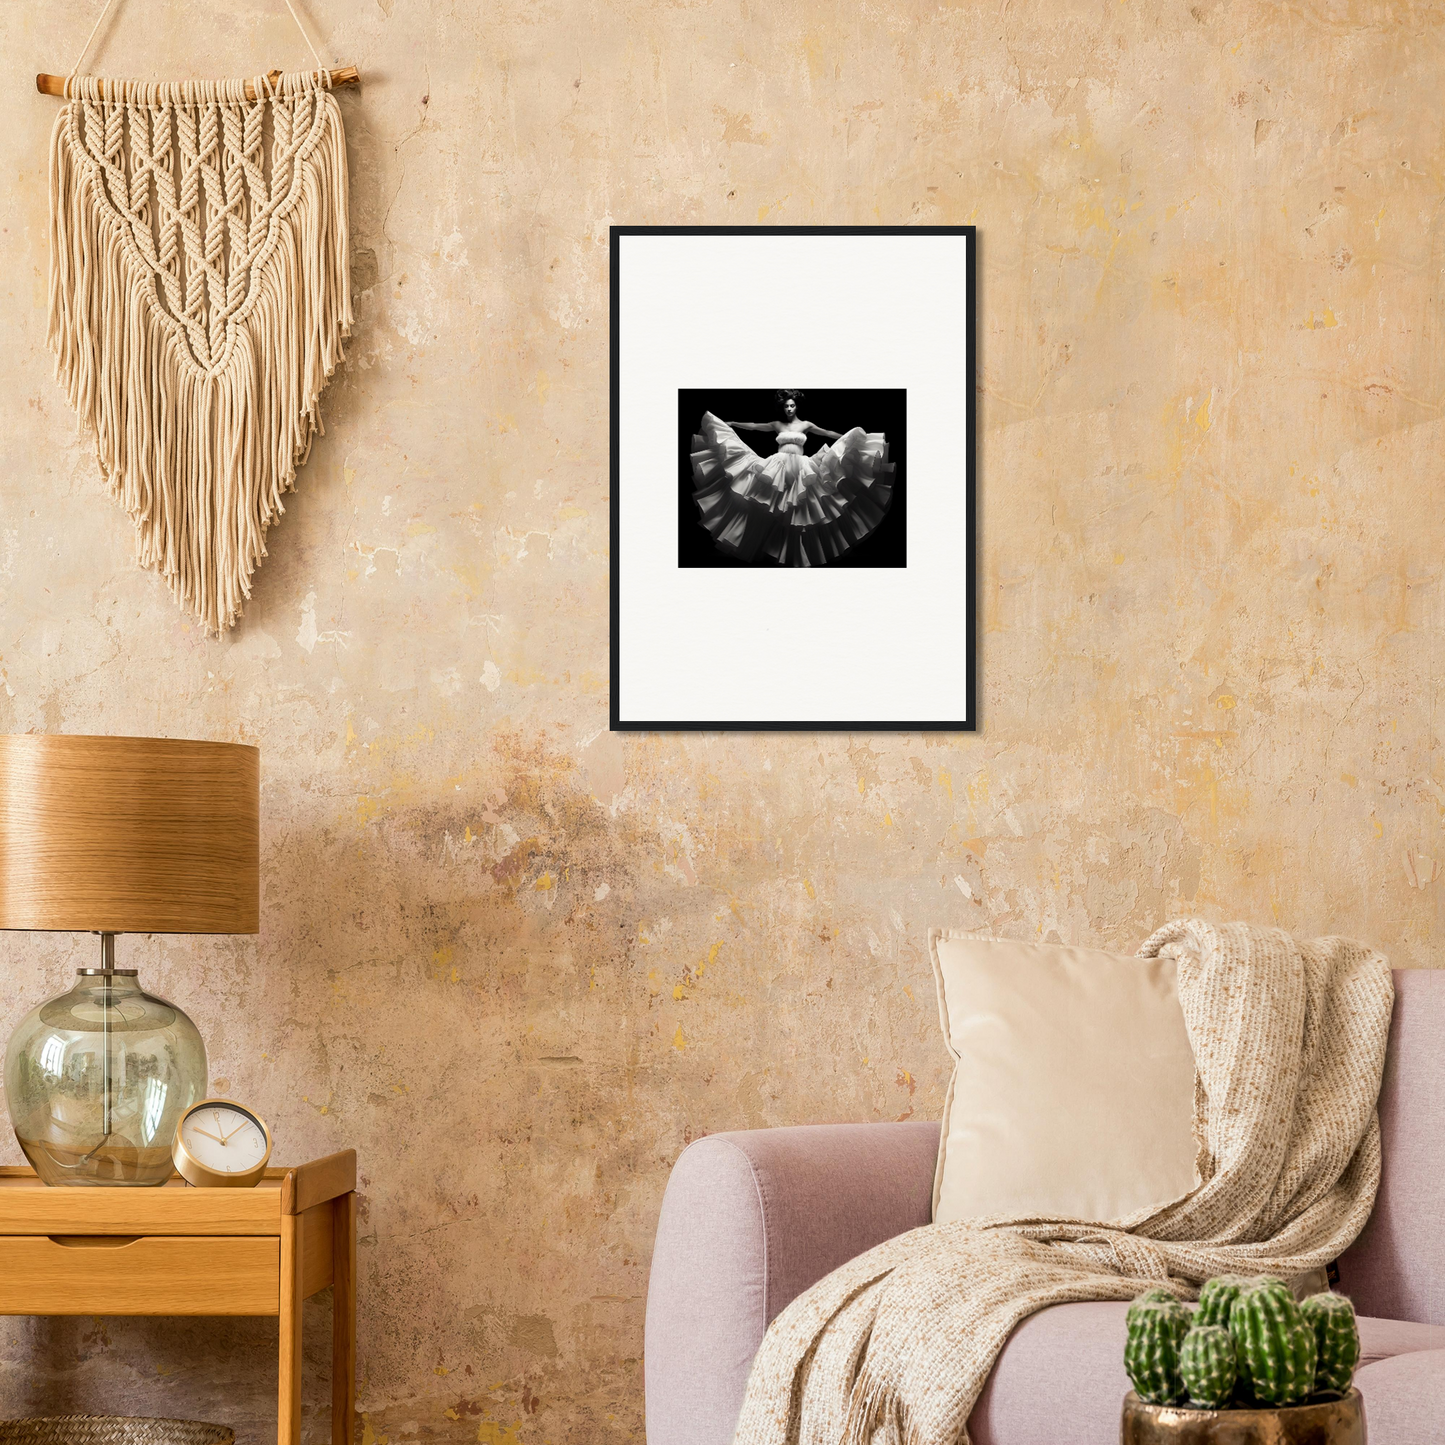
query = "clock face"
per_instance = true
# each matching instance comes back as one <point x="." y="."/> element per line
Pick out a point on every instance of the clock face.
<point x="223" y="1138"/>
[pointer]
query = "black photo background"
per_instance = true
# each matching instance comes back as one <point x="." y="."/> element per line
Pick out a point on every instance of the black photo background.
<point x="839" y="411"/>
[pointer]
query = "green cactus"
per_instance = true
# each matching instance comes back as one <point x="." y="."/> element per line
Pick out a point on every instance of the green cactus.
<point x="1151" y="1297"/>
<point x="1337" y="1340"/>
<point x="1274" y="1346"/>
<point x="1156" y="1296"/>
<point x="1151" y="1356"/>
<point x="1207" y="1365"/>
<point x="1217" y="1298"/>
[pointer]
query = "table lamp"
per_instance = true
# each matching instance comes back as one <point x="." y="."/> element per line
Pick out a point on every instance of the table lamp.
<point x="118" y="835"/>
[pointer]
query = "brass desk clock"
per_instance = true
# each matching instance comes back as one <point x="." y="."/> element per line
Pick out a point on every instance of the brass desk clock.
<point x="221" y="1144"/>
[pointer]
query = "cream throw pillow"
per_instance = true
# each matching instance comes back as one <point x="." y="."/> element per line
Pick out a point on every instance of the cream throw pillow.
<point x="1073" y="1088"/>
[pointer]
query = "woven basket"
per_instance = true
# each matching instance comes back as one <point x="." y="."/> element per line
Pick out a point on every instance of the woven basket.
<point x="112" y="1430"/>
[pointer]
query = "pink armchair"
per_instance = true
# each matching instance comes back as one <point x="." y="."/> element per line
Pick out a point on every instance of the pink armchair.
<point x="751" y="1219"/>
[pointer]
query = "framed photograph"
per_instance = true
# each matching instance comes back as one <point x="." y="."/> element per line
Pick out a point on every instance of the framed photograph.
<point x="793" y="478"/>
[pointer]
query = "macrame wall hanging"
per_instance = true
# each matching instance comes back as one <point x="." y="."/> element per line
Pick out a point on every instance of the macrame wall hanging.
<point x="199" y="293"/>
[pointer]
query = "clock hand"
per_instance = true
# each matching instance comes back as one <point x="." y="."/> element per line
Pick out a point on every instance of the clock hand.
<point x="209" y="1135"/>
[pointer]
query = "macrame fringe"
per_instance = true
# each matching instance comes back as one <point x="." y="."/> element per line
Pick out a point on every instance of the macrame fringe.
<point x="200" y="456"/>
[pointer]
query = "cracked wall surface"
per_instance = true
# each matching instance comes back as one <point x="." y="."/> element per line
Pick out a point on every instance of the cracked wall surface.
<point x="517" y="961"/>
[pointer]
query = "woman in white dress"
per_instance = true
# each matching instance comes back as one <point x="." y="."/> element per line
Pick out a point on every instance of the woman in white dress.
<point x="800" y="510"/>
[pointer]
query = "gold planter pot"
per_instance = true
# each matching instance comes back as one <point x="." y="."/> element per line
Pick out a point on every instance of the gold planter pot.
<point x="1325" y="1422"/>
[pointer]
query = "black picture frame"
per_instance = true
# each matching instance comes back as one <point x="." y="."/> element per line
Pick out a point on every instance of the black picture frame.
<point x="968" y="590"/>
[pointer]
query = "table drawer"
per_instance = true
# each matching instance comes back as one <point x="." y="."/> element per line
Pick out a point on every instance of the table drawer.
<point x="149" y="1275"/>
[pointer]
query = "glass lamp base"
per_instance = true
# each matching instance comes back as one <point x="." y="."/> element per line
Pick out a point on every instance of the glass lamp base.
<point x="97" y="1080"/>
<point x="108" y="1165"/>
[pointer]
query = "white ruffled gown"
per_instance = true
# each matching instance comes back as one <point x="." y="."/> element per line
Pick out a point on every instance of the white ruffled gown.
<point x="800" y="511"/>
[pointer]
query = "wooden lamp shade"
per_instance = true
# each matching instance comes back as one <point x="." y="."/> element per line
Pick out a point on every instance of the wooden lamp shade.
<point x="129" y="835"/>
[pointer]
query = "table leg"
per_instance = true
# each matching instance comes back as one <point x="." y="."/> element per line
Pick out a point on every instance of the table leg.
<point x="288" y="1395"/>
<point x="343" y="1318"/>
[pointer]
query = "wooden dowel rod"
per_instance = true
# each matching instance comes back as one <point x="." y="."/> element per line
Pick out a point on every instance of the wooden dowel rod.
<point x="340" y="75"/>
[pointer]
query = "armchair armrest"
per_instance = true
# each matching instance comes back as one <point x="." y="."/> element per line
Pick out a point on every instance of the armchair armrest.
<point x="748" y="1222"/>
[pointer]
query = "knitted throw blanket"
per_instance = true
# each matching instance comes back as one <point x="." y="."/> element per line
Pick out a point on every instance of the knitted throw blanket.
<point x="1289" y="1042"/>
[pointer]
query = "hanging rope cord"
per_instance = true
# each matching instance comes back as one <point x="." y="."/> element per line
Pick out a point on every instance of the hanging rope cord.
<point x="105" y="10"/>
<point x="200" y="294"/>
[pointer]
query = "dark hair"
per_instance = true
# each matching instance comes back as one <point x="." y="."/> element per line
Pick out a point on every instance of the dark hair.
<point x="789" y="395"/>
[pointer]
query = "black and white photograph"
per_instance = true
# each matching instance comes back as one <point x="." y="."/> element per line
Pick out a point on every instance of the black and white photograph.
<point x="792" y="477"/>
<point x="793" y="491"/>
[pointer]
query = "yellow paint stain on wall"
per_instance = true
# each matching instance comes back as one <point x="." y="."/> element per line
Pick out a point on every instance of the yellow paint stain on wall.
<point x="808" y="888"/>
<point x="1225" y="701"/>
<point x="389" y="745"/>
<point x="678" y="1041"/>
<point x="813" y="50"/>
<point x="945" y="781"/>
<point x="490" y="1432"/>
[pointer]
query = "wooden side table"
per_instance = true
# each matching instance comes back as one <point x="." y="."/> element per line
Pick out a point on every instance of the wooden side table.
<point x="182" y="1251"/>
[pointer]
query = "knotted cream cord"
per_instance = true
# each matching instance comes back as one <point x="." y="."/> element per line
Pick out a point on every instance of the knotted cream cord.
<point x="199" y="295"/>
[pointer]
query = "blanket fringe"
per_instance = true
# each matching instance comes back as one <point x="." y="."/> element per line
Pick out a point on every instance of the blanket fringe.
<point x="199" y="454"/>
<point x="876" y="1415"/>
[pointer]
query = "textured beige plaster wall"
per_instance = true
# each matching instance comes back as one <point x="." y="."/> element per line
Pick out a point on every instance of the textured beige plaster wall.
<point x="519" y="962"/>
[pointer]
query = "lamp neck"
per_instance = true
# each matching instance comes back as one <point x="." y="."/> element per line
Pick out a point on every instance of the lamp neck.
<point x="107" y="953"/>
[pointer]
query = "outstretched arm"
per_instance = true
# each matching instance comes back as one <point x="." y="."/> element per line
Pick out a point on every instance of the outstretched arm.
<point x="752" y="425"/>
<point x="822" y="431"/>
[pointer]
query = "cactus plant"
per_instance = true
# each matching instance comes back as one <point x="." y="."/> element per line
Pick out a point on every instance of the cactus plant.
<point x="1154" y="1296"/>
<point x="1207" y="1365"/>
<point x="1275" y="1348"/>
<point x="1151" y="1356"/>
<point x="1337" y="1340"/>
<point x="1248" y="1343"/>
<point x="1217" y="1298"/>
